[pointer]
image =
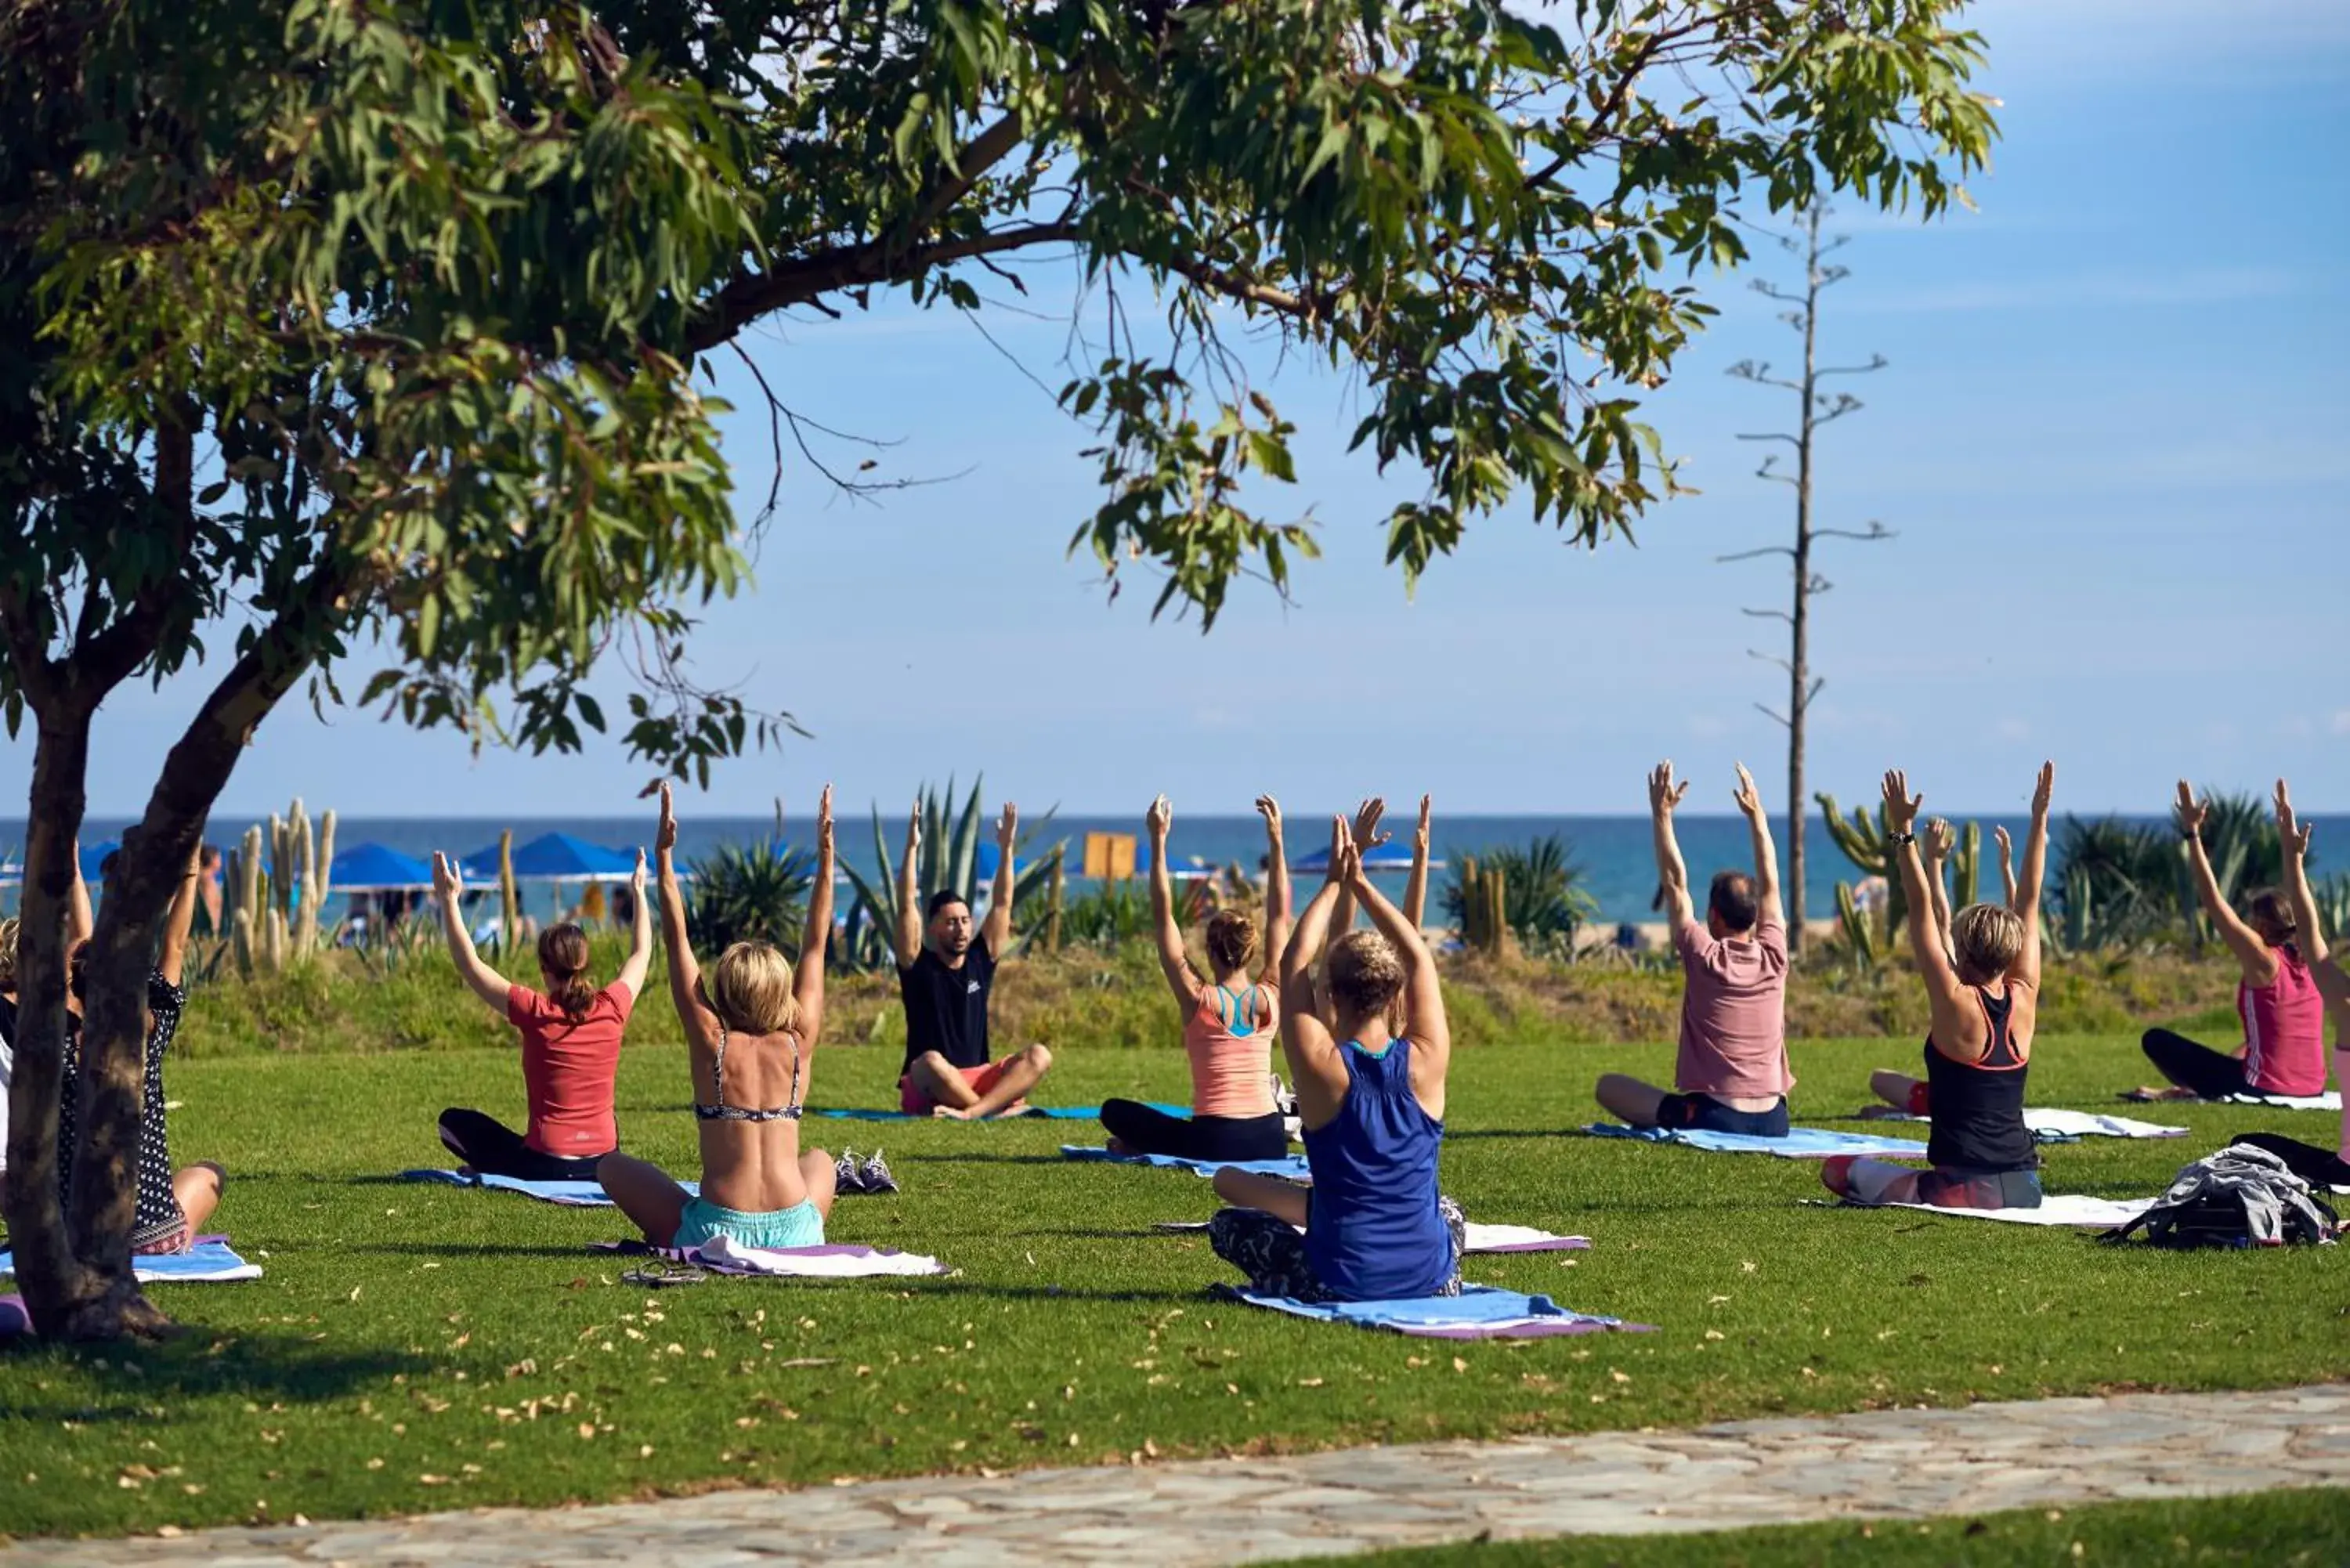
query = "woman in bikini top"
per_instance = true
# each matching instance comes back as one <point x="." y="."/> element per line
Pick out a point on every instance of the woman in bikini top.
<point x="750" y="1023"/>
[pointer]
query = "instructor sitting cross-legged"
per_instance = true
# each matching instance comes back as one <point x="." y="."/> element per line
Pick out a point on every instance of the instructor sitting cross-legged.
<point x="946" y="969"/>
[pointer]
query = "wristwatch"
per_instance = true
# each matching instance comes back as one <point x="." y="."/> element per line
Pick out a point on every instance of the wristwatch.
<point x="1901" y="840"/>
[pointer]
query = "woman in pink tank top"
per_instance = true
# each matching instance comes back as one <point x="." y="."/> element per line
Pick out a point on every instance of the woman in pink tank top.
<point x="2319" y="1166"/>
<point x="1229" y="1021"/>
<point x="2284" y="1052"/>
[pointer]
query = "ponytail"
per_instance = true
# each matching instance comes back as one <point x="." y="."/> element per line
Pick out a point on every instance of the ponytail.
<point x="563" y="958"/>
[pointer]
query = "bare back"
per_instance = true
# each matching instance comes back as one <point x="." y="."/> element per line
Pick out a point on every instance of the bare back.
<point x="746" y="1110"/>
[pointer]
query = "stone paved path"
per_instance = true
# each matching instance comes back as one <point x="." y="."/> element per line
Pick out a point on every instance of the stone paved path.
<point x="1885" y="1464"/>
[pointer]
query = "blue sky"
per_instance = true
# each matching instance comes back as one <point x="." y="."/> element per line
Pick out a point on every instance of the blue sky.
<point x="2111" y="439"/>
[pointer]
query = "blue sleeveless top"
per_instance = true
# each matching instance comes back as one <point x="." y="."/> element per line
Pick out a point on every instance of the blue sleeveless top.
<point x="1373" y="1232"/>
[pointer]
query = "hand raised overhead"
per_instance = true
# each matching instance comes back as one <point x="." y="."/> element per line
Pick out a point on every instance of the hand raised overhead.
<point x="1900" y="805"/>
<point x="2293" y="832"/>
<point x="1748" y="798"/>
<point x="2188" y="812"/>
<point x="1663" y="793"/>
<point x="665" y="830"/>
<point x="1158" y="819"/>
<point x="1367" y="834"/>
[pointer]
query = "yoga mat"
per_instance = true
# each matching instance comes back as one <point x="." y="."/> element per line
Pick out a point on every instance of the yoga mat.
<point x="210" y="1262"/>
<point x="1290" y="1165"/>
<point x="1478" y="1311"/>
<point x="1800" y="1143"/>
<point x="1055" y="1113"/>
<point x="570" y="1194"/>
<point x="831" y="1260"/>
<point x="2051" y="1125"/>
<point x="1482" y="1238"/>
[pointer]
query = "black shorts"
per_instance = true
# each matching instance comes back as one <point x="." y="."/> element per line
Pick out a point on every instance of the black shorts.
<point x="1705" y="1113"/>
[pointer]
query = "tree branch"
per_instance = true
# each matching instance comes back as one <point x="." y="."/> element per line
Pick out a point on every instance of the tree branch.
<point x="801" y="281"/>
<point x="1768" y="614"/>
<point x="1791" y="441"/>
<point x="1755" y="554"/>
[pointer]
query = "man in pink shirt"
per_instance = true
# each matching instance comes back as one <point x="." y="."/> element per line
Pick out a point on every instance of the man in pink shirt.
<point x="1732" y="1074"/>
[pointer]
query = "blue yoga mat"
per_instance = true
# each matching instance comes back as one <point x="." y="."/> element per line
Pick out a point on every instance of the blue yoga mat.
<point x="1054" y="1113"/>
<point x="211" y="1261"/>
<point x="1288" y="1165"/>
<point x="1800" y="1143"/>
<point x="1478" y="1311"/>
<point x="570" y="1194"/>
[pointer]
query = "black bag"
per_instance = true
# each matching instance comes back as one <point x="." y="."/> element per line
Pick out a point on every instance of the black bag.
<point x="2242" y="1196"/>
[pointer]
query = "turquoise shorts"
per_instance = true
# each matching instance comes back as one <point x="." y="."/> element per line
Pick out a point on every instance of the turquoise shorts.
<point x="801" y="1225"/>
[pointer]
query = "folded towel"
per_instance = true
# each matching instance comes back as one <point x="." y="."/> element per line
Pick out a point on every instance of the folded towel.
<point x="1482" y="1238"/>
<point x="1478" y="1311"/>
<point x="570" y="1194"/>
<point x="831" y="1260"/>
<point x="210" y="1262"/>
<point x="1291" y="1165"/>
<point x="2050" y="1126"/>
<point x="1800" y="1143"/>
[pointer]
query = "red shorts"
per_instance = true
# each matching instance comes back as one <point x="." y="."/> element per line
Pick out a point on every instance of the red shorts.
<point x="981" y="1078"/>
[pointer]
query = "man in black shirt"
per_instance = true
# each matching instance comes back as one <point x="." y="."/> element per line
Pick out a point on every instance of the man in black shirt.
<point x="946" y="967"/>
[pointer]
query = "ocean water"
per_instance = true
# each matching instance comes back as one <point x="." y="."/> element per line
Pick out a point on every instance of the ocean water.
<point x="1617" y="862"/>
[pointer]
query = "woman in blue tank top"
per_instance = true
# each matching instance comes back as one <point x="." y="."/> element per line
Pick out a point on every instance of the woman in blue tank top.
<point x="1372" y="1106"/>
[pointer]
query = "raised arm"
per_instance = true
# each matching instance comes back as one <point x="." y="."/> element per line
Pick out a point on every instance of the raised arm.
<point x="2294" y="834"/>
<point x="1173" y="962"/>
<point x="816" y="931"/>
<point x="1774" y="910"/>
<point x="1432" y="1037"/>
<point x="997" y="932"/>
<point x="486" y="982"/>
<point x="1927" y="942"/>
<point x="2006" y="865"/>
<point x="1365" y="835"/>
<point x="2260" y="965"/>
<point x="2025" y="899"/>
<point x="181" y="919"/>
<point x="1276" y="889"/>
<point x="1672" y="872"/>
<point x="1415" y="887"/>
<point x="1934" y="846"/>
<point x="79" y="920"/>
<point x="910" y="893"/>
<point x="684" y="973"/>
<point x="641" y="935"/>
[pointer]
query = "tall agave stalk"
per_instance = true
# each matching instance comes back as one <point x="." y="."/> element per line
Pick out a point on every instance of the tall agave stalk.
<point x="1862" y="840"/>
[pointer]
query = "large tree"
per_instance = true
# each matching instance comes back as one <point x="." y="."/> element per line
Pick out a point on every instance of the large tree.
<point x="335" y="320"/>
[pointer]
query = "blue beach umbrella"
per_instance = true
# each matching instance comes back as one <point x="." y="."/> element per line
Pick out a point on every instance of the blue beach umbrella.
<point x="554" y="858"/>
<point x="1389" y="856"/>
<point x="373" y="867"/>
<point x="93" y="855"/>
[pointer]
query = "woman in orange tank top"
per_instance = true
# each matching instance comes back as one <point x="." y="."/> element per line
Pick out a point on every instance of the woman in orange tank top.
<point x="1228" y="1023"/>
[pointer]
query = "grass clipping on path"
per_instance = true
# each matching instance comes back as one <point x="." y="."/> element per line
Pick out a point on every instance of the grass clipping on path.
<point x="418" y="1347"/>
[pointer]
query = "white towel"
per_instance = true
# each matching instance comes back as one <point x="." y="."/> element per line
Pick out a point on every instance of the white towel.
<point x="2072" y="1209"/>
<point x="827" y="1262"/>
<point x="2329" y="1101"/>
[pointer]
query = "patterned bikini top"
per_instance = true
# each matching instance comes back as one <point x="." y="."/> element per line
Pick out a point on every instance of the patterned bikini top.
<point x="722" y="1112"/>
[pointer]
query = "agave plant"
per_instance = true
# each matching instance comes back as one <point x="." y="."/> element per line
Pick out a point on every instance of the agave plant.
<point x="947" y="857"/>
<point x="754" y="892"/>
<point x="1544" y="902"/>
<point x="2117" y="884"/>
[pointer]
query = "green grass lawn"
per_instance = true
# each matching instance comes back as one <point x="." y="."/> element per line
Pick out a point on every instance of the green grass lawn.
<point x="416" y="1347"/>
<point x="2271" y="1530"/>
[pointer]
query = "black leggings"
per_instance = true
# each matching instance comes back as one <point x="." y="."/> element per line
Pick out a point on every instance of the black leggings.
<point x="1148" y="1131"/>
<point x="2317" y="1166"/>
<point x="2197" y="1068"/>
<point x="493" y="1149"/>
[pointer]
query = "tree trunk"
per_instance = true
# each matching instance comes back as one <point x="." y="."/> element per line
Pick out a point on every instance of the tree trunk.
<point x="154" y="856"/>
<point x="1799" y="661"/>
<point x="55" y="1284"/>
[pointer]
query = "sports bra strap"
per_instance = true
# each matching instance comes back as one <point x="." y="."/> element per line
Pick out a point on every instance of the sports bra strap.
<point x="722" y="1112"/>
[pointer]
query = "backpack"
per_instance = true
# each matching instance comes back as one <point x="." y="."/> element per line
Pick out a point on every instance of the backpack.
<point x="2240" y="1197"/>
